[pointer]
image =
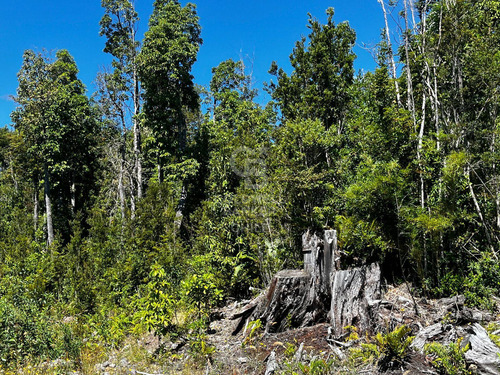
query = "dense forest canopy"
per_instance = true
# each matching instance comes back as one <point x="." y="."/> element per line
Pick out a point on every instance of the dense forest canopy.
<point x="156" y="196"/>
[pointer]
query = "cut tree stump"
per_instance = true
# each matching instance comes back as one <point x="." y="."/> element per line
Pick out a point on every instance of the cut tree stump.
<point x="355" y="298"/>
<point x="302" y="298"/>
<point x="292" y="300"/>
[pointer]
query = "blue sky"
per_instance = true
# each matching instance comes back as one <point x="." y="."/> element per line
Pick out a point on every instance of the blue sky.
<point x="260" y="31"/>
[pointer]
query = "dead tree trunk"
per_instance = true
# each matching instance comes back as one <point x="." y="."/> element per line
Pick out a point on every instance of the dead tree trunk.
<point x="48" y="205"/>
<point x="483" y="352"/>
<point x="391" y="53"/>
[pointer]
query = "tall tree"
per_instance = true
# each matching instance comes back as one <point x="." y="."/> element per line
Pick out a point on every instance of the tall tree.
<point x="58" y="125"/>
<point x="318" y="87"/>
<point x="170" y="49"/>
<point x="122" y="86"/>
<point x="314" y="101"/>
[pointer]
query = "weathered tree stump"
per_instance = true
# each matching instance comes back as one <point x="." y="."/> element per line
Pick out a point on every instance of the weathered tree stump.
<point x="292" y="300"/>
<point x="355" y="297"/>
<point x="301" y="298"/>
<point x="320" y="255"/>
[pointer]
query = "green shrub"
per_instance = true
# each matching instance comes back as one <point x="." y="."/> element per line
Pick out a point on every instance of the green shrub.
<point x="254" y="330"/>
<point x="492" y="328"/>
<point x="482" y="282"/>
<point x="156" y="306"/>
<point x="316" y="367"/>
<point x="449" y="359"/>
<point x="198" y="344"/>
<point x="26" y="332"/>
<point x="394" y="346"/>
<point x="200" y="291"/>
<point x="366" y="353"/>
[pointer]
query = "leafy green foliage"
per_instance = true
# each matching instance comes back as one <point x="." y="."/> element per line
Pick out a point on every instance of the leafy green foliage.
<point x="407" y="178"/>
<point x="254" y="331"/>
<point x="201" y="291"/>
<point x="482" y="282"/>
<point x="318" y="88"/>
<point x="316" y="367"/>
<point x="58" y="125"/>
<point x="449" y="359"/>
<point x="28" y="333"/>
<point x="169" y="51"/>
<point x="155" y="306"/>
<point x="394" y="346"/>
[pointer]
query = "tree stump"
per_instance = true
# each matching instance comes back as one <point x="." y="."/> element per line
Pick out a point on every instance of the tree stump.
<point x="301" y="298"/>
<point x="292" y="300"/>
<point x="355" y="297"/>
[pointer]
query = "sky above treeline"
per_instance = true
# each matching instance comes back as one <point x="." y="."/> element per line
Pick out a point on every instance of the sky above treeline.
<point x="259" y="31"/>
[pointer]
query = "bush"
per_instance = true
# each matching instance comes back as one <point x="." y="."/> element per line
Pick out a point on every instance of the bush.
<point x="448" y="359"/>
<point x="200" y="289"/>
<point x="483" y="281"/>
<point x="394" y="347"/>
<point x="27" y="332"/>
<point x="156" y="308"/>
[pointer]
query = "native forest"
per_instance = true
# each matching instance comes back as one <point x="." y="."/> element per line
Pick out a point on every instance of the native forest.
<point x="348" y="225"/>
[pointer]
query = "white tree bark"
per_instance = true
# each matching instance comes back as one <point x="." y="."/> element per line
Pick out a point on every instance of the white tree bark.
<point x="48" y="206"/>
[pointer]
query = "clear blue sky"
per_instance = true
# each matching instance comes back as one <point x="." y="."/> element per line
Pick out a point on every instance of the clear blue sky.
<point x="264" y="30"/>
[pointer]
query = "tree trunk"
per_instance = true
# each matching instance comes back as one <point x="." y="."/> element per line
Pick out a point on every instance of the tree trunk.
<point x="159" y="169"/>
<point x="121" y="189"/>
<point x="409" y="83"/>
<point x="137" y="135"/>
<point x="36" y="207"/>
<point x="297" y="298"/>
<point x="391" y="53"/>
<point x="291" y="302"/>
<point x="73" y="195"/>
<point x="132" y="197"/>
<point x="480" y="213"/>
<point x="48" y="205"/>
<point x="179" y="214"/>
<point x="121" y="172"/>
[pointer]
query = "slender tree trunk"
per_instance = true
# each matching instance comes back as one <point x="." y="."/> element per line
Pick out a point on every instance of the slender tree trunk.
<point x="480" y="213"/>
<point x="424" y="102"/>
<point x="132" y="198"/>
<point x="411" y="106"/>
<point x="412" y="9"/>
<point x="48" y="205"/>
<point x="495" y="173"/>
<point x="409" y="84"/>
<point x="36" y="206"/>
<point x="421" y="175"/>
<point x="497" y="198"/>
<point x="73" y="195"/>
<point x="391" y="53"/>
<point x="159" y="168"/>
<point x="137" y="137"/>
<point x="137" y="130"/>
<point x="182" y="148"/>
<point x="179" y="214"/>
<point x="121" y="189"/>
<point x="121" y="173"/>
